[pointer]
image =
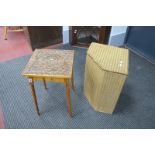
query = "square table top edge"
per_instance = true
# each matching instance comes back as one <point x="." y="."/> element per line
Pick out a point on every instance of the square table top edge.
<point x="48" y="76"/>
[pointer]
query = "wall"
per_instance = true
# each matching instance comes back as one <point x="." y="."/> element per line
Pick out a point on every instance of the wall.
<point x="65" y="34"/>
<point x="141" y="40"/>
<point x="117" y="35"/>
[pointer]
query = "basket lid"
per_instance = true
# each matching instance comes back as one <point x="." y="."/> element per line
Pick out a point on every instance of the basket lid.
<point x="109" y="58"/>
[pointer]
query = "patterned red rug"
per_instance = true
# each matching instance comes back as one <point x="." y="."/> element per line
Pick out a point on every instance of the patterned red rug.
<point x="15" y="46"/>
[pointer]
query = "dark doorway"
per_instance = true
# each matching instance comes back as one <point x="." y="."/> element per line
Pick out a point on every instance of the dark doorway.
<point x="84" y="35"/>
<point x="43" y="36"/>
<point x="141" y="39"/>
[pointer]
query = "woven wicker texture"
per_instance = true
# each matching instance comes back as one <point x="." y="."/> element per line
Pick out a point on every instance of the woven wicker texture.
<point x="103" y="87"/>
<point x="110" y="58"/>
<point x="50" y="62"/>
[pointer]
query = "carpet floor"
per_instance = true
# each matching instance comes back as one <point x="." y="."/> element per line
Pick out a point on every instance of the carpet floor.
<point x="135" y="108"/>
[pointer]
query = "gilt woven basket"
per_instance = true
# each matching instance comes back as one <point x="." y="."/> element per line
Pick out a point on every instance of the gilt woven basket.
<point x="106" y="70"/>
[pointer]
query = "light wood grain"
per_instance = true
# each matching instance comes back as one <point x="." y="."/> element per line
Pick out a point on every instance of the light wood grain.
<point x="72" y="79"/>
<point x="51" y="65"/>
<point x="5" y="32"/>
<point x="68" y="97"/>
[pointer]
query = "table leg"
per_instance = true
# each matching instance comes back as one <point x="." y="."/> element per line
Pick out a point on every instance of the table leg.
<point x="5" y="32"/>
<point x="34" y="95"/>
<point x="72" y="79"/>
<point x="44" y="82"/>
<point x="68" y="97"/>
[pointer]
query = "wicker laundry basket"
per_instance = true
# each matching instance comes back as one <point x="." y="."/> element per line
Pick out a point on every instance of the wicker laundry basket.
<point x="106" y="70"/>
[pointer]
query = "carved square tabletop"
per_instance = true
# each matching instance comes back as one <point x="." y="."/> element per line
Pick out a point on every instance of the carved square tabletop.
<point x="50" y="63"/>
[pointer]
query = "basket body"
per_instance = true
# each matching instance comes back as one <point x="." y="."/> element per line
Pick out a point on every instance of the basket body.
<point x="102" y="87"/>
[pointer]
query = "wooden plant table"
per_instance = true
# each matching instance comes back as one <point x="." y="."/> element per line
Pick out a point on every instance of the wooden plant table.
<point x="51" y="65"/>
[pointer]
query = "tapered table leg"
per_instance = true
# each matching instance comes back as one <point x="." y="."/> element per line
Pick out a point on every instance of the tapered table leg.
<point x="44" y="82"/>
<point x="34" y="95"/>
<point x="68" y="97"/>
<point x="72" y="79"/>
